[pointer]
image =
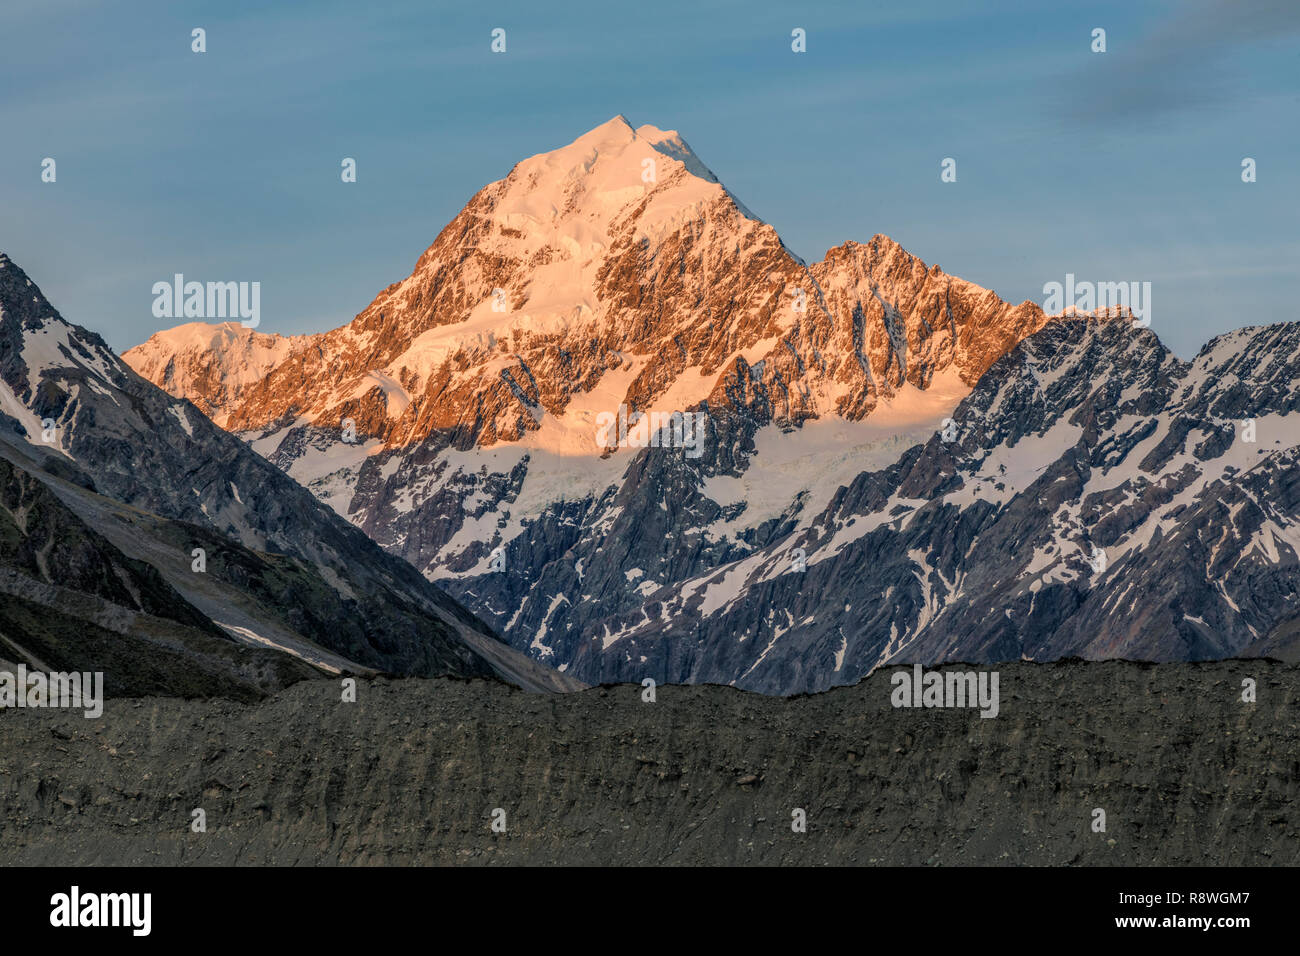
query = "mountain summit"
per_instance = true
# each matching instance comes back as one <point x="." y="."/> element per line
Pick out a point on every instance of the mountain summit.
<point x="620" y="252"/>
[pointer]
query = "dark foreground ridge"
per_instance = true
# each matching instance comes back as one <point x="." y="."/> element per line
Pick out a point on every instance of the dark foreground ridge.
<point x="1186" y="772"/>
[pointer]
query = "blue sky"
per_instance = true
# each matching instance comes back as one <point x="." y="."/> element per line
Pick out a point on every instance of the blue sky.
<point x="1122" y="166"/>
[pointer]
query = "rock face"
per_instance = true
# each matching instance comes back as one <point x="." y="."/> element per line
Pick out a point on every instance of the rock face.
<point x="411" y="773"/>
<point x="110" y="484"/>
<point x="613" y="272"/>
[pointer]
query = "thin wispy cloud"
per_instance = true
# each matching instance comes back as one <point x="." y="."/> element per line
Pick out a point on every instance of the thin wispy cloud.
<point x="1186" y="62"/>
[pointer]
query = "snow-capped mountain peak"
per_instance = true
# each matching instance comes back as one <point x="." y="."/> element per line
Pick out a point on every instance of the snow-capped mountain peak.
<point x="211" y="363"/>
<point x="457" y="418"/>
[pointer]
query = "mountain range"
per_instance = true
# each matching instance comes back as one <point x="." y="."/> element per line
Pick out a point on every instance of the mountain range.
<point x="896" y="464"/>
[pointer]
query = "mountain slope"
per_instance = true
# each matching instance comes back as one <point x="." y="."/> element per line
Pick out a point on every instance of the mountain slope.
<point x="72" y="601"/>
<point x="283" y="570"/>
